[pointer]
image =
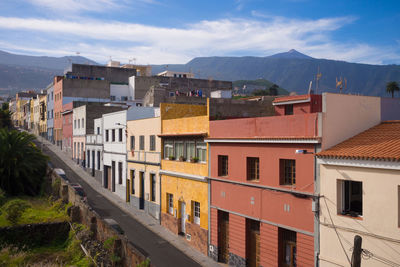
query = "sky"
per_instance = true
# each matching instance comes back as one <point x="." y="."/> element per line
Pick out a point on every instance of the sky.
<point x="172" y="31"/>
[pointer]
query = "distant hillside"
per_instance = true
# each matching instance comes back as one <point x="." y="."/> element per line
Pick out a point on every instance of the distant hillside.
<point x="249" y="87"/>
<point x="293" y="71"/>
<point x="19" y="72"/>
<point x="16" y="77"/>
<point x="52" y="63"/>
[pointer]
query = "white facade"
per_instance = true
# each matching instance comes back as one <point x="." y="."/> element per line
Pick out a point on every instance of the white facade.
<point x="221" y="94"/>
<point x="114" y="146"/>
<point x="176" y="74"/>
<point x="78" y="133"/>
<point x="114" y="155"/>
<point x="94" y="148"/>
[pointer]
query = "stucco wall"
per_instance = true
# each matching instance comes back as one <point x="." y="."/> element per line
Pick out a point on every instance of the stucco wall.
<point x="380" y="215"/>
<point x="347" y="115"/>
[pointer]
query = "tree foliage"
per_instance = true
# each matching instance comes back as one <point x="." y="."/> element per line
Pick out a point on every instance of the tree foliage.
<point x="5" y="116"/>
<point x="22" y="164"/>
<point x="14" y="210"/>
<point x="392" y="87"/>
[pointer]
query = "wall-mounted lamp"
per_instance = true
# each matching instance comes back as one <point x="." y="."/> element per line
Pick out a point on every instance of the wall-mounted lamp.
<point x="301" y="151"/>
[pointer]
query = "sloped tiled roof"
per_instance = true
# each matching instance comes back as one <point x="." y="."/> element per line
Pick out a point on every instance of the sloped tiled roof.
<point x="381" y="142"/>
<point x="291" y="98"/>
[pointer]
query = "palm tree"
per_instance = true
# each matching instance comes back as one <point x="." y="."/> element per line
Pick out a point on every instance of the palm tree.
<point x="22" y="164"/>
<point x="391" y="87"/>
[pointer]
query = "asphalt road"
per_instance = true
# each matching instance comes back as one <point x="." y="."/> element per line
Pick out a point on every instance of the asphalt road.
<point x="160" y="251"/>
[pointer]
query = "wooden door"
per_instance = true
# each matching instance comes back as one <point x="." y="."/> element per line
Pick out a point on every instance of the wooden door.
<point x="223" y="236"/>
<point x="252" y="243"/>
<point x="141" y="190"/>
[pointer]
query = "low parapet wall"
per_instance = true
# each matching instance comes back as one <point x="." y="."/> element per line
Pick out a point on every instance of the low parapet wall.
<point x="82" y="213"/>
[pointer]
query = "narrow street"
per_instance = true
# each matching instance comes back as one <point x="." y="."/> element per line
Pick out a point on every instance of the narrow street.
<point x="160" y="251"/>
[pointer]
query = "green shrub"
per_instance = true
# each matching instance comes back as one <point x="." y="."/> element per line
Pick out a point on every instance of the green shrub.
<point x="13" y="210"/>
<point x="2" y="197"/>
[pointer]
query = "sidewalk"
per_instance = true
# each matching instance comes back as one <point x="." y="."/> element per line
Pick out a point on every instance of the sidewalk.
<point x="145" y="219"/>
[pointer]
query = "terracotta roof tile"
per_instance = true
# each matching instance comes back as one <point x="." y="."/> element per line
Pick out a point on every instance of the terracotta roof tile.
<point x="291" y="98"/>
<point x="381" y="142"/>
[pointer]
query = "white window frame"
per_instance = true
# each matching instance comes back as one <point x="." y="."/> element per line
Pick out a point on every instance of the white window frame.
<point x="201" y="146"/>
<point x="196" y="212"/>
<point x="170" y="203"/>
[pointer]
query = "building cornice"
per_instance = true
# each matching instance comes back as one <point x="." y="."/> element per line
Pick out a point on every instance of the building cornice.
<point x="185" y="175"/>
<point x="144" y="162"/>
<point x="278" y="189"/>
<point x="375" y="164"/>
<point x="311" y="140"/>
<point x="292" y="102"/>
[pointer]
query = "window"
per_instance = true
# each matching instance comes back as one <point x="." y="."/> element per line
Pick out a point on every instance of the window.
<point x="120" y="134"/>
<point x="152" y="187"/>
<point x="51" y="95"/>
<point x="350" y="198"/>
<point x="190" y="150"/>
<point x="120" y="172"/>
<point x="201" y="150"/>
<point x="287" y="171"/>
<point x="106" y="135"/>
<point x="83" y="123"/>
<point x="179" y="150"/>
<point x="112" y="97"/>
<point x="132" y="142"/>
<point x="170" y="202"/>
<point x="152" y="142"/>
<point x="79" y="123"/>
<point x="98" y="160"/>
<point x="98" y="130"/>
<point x="133" y="182"/>
<point x="113" y="135"/>
<point x="88" y="159"/>
<point x="288" y="109"/>
<point x="124" y="98"/>
<point x="253" y="168"/>
<point x="196" y="212"/>
<point x="141" y="142"/>
<point x="287" y="247"/>
<point x="168" y="149"/>
<point x="222" y="165"/>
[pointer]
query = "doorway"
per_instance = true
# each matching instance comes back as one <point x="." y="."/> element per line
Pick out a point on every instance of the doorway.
<point x="113" y="176"/>
<point x="223" y="236"/>
<point x="141" y="191"/>
<point x="287" y="248"/>
<point x="93" y="169"/>
<point x="252" y="243"/>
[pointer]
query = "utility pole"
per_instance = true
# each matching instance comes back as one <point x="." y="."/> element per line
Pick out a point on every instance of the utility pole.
<point x="356" y="257"/>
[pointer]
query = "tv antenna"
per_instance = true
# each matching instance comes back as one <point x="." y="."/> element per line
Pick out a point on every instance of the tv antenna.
<point x="340" y="83"/>
<point x="318" y="77"/>
<point x="132" y="60"/>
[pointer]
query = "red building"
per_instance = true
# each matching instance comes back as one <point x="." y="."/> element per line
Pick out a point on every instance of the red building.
<point x="262" y="185"/>
<point x="67" y="130"/>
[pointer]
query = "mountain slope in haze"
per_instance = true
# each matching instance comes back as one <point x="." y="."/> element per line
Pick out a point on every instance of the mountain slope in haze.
<point x="52" y="63"/>
<point x="294" y="71"/>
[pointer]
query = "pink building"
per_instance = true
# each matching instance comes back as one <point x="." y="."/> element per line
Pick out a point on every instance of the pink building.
<point x="67" y="127"/>
<point x="262" y="186"/>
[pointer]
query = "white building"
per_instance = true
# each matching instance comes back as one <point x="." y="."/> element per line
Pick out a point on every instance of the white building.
<point x="94" y="147"/>
<point x="114" y="146"/>
<point x="176" y="74"/>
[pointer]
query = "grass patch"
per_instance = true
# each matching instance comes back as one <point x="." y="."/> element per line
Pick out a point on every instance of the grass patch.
<point x="41" y="210"/>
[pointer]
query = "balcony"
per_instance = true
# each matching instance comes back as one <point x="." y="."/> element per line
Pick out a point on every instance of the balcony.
<point x="145" y="156"/>
<point x="94" y="139"/>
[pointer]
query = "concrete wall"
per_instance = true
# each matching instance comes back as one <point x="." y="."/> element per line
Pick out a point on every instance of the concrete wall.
<point x="121" y="90"/>
<point x="390" y="109"/>
<point x="305" y="125"/>
<point x="86" y="88"/>
<point x="347" y="115"/>
<point x="111" y="74"/>
<point x="379" y="224"/>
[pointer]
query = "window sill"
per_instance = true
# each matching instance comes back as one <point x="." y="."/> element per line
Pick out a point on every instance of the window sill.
<point x="360" y="218"/>
<point x="253" y="180"/>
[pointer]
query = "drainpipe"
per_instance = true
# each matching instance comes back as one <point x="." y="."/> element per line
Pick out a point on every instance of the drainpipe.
<point x="209" y="200"/>
<point x="317" y="148"/>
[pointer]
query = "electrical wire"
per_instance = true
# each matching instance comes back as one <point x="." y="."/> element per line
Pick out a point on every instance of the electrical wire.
<point x="337" y="234"/>
<point x="369" y="255"/>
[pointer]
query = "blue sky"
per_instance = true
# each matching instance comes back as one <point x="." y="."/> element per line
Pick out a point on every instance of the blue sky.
<point x="161" y="31"/>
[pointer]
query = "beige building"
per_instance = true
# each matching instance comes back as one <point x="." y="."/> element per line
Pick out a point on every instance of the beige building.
<point x="143" y="164"/>
<point x="360" y="195"/>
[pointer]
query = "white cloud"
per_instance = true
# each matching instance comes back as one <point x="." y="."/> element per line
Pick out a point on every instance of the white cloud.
<point x="151" y="44"/>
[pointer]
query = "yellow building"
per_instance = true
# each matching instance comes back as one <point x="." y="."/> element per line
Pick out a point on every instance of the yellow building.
<point x="143" y="163"/>
<point x="43" y="115"/>
<point x="184" y="170"/>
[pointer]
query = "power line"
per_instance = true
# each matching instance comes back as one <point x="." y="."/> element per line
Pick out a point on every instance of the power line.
<point x="334" y="227"/>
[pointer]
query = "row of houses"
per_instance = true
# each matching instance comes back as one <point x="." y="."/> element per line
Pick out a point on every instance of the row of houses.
<point x="289" y="188"/>
<point x="285" y="181"/>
